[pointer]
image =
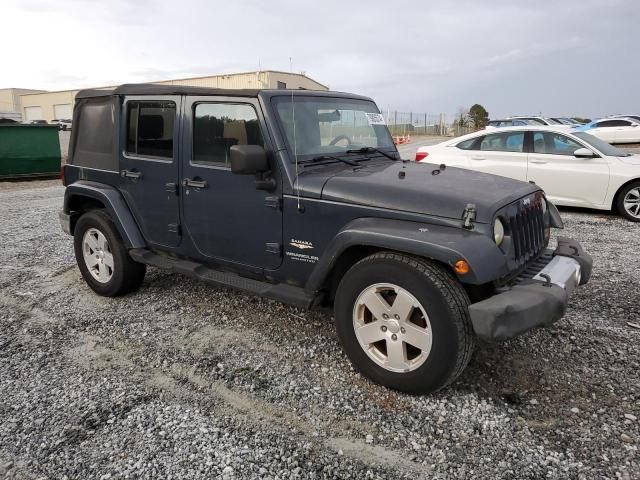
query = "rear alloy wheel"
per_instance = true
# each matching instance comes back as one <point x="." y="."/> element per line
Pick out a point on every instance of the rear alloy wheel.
<point x="97" y="255"/>
<point x="103" y="258"/>
<point x="404" y="322"/>
<point x="629" y="202"/>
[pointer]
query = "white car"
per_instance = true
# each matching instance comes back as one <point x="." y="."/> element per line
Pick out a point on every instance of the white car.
<point x="542" y="121"/>
<point x="573" y="168"/>
<point x="614" y="130"/>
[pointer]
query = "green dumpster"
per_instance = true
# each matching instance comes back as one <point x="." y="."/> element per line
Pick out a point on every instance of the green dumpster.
<point x="29" y="150"/>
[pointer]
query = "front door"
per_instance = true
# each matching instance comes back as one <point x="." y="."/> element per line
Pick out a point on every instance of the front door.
<point x="565" y="178"/>
<point x="500" y="154"/>
<point x="226" y="217"/>
<point x="149" y="166"/>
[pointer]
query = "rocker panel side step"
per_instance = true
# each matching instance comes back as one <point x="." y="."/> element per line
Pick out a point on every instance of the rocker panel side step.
<point x="281" y="292"/>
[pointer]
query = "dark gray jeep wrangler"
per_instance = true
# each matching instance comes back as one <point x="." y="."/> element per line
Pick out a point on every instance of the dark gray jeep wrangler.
<point x="302" y="197"/>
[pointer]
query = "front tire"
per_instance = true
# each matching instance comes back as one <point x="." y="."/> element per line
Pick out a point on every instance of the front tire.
<point x="404" y="322"/>
<point x="628" y="203"/>
<point x="102" y="257"/>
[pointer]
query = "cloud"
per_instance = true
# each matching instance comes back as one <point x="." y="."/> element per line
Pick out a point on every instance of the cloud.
<point x="511" y="56"/>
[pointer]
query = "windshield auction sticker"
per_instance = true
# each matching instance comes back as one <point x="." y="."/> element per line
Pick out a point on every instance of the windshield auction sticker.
<point x="375" y="119"/>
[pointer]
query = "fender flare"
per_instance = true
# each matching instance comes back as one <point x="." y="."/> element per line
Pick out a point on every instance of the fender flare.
<point x="441" y="243"/>
<point x="115" y="205"/>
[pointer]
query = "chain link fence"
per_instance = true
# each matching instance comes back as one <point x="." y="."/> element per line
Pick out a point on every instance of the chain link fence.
<point x="420" y="123"/>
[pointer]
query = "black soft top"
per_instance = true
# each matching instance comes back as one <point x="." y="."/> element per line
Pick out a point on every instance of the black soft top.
<point x="154" y="89"/>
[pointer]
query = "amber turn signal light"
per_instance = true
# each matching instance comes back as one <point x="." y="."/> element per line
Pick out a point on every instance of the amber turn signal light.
<point x="461" y="267"/>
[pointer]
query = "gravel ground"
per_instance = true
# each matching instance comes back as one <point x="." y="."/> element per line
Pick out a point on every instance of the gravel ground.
<point x="184" y="380"/>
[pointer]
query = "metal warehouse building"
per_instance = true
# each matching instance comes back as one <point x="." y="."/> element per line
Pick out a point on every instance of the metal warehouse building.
<point x="39" y="105"/>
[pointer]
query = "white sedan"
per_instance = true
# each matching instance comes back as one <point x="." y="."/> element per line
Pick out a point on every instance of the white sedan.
<point x="573" y="168"/>
<point x="614" y="130"/>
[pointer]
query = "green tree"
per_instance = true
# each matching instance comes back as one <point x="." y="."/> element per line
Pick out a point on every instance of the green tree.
<point x="479" y="116"/>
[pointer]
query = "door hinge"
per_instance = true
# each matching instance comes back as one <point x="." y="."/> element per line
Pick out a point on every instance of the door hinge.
<point x="175" y="228"/>
<point x="273" y="202"/>
<point x="274" y="248"/>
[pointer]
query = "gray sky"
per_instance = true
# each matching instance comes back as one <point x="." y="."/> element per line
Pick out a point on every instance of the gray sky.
<point x="562" y="57"/>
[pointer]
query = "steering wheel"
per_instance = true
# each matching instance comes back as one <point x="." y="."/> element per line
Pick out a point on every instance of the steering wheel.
<point x="339" y="138"/>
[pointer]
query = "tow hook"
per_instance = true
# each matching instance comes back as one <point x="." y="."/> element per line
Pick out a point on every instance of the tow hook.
<point x="547" y="280"/>
<point x="469" y="216"/>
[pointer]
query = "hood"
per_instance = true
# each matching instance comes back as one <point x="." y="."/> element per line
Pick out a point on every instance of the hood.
<point x="631" y="159"/>
<point x="412" y="187"/>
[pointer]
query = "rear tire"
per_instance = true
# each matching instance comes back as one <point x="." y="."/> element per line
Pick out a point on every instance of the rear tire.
<point x="628" y="202"/>
<point x="102" y="257"/>
<point x="395" y="353"/>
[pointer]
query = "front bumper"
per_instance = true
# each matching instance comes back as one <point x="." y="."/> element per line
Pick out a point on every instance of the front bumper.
<point x="535" y="302"/>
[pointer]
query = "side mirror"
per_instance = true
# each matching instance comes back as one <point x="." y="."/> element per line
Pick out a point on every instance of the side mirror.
<point x="248" y="159"/>
<point x="581" y="153"/>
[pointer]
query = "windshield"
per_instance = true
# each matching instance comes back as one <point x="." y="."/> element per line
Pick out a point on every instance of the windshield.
<point x="601" y="145"/>
<point x="331" y="126"/>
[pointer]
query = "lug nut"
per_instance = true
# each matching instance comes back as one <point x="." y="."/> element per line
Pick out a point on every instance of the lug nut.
<point x="396" y="316"/>
<point x="394" y="337"/>
<point x="383" y="328"/>
<point x="385" y="316"/>
<point x="402" y="330"/>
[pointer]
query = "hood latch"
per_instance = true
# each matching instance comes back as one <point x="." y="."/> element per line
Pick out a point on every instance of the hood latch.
<point x="469" y="216"/>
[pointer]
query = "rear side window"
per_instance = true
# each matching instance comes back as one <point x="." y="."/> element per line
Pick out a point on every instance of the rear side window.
<point x="612" y="123"/>
<point x="219" y="126"/>
<point x="467" y="144"/>
<point x="94" y="134"/>
<point x="150" y="128"/>
<point x="503" y="142"/>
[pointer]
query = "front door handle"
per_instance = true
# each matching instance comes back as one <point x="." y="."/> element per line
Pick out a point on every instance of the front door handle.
<point x="477" y="157"/>
<point x="194" y="183"/>
<point x="539" y="161"/>
<point x="136" y="175"/>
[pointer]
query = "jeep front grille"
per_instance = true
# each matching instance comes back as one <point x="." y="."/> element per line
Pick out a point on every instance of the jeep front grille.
<point x="527" y="231"/>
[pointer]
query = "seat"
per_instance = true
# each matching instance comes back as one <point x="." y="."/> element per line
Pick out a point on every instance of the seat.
<point x="539" y="146"/>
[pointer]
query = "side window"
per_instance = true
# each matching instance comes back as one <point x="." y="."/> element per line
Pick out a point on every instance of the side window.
<point x="503" y="142"/>
<point x="94" y="134"/>
<point x="219" y="126"/>
<point x="554" y="144"/>
<point x="150" y="128"/>
<point x="612" y="123"/>
<point x="467" y="144"/>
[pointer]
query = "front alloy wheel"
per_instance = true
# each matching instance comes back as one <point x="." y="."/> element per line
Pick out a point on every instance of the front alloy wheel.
<point x="632" y="202"/>
<point x="404" y="322"/>
<point x="628" y="201"/>
<point x="392" y="327"/>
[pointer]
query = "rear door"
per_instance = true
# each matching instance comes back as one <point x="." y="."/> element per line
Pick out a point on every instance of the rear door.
<point x="627" y="132"/>
<point x="500" y="153"/>
<point x="149" y="166"/>
<point x="226" y="217"/>
<point x="605" y="130"/>
<point x="566" y="179"/>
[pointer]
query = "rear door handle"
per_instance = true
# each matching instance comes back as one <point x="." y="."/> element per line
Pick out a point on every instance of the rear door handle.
<point x="136" y="175"/>
<point x="477" y="157"/>
<point x="539" y="161"/>
<point x="194" y="183"/>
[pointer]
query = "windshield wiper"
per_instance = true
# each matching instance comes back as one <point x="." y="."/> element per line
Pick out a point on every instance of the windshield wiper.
<point x="372" y="150"/>
<point x="331" y="157"/>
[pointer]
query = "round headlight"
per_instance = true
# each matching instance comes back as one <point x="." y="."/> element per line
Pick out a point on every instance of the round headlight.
<point x="498" y="231"/>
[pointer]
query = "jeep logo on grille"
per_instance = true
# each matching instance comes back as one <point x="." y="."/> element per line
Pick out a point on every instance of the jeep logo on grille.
<point x="526" y="202"/>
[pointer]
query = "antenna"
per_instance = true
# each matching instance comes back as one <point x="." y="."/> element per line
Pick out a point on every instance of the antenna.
<point x="296" y="184"/>
<point x="295" y="152"/>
